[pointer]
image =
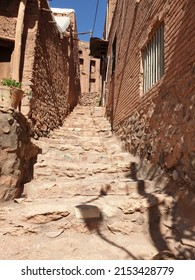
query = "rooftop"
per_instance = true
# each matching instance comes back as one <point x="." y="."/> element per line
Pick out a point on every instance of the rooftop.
<point x="62" y="11"/>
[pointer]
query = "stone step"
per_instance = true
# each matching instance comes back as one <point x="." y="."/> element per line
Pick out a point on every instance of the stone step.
<point x="92" y="137"/>
<point x="107" y="140"/>
<point x="96" y="111"/>
<point x="79" y="145"/>
<point x="83" y="123"/>
<point x="85" y="118"/>
<point x="91" y="124"/>
<point x="85" y="187"/>
<point x="92" y="157"/>
<point x="83" y="127"/>
<point x="50" y="174"/>
<point x="61" y="133"/>
<point x="71" y="141"/>
<point x="93" y="167"/>
<point x="78" y="170"/>
<point x="86" y="115"/>
<point x="116" y="213"/>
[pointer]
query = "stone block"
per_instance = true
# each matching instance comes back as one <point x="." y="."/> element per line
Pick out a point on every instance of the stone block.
<point x="41" y="214"/>
<point x="85" y="211"/>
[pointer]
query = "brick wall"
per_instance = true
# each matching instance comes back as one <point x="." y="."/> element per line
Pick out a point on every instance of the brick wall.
<point x="111" y="5"/>
<point x="156" y="125"/>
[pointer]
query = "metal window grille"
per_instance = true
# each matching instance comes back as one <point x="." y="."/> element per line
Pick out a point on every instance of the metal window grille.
<point x="153" y="59"/>
<point x="114" y="55"/>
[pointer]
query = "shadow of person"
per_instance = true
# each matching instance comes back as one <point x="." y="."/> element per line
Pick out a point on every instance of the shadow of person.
<point x="154" y="215"/>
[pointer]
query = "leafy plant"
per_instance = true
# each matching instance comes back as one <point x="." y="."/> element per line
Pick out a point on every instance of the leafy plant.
<point x="11" y="83"/>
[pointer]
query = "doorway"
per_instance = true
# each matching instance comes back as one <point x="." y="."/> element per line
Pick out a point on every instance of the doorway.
<point x="6" y="49"/>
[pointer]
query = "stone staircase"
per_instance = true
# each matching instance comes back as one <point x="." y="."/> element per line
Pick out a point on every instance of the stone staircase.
<point x="84" y="198"/>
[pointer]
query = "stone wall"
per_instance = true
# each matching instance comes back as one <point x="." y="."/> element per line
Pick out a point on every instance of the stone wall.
<point x="157" y="125"/>
<point x="55" y="80"/>
<point x="17" y="154"/>
<point x="163" y="133"/>
<point x="49" y="64"/>
<point x="90" y="99"/>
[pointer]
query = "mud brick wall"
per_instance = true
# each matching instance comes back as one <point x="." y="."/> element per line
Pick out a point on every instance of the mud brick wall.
<point x="17" y="154"/>
<point x="55" y="79"/>
<point x="29" y="42"/>
<point x="8" y="17"/>
<point x="49" y="65"/>
<point x="157" y="125"/>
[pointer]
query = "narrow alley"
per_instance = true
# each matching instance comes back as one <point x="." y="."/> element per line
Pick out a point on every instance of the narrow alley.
<point x="97" y="135"/>
<point x="83" y="202"/>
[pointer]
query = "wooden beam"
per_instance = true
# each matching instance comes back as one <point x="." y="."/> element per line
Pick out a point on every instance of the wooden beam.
<point x="7" y="38"/>
<point x="18" y="40"/>
<point x="46" y="10"/>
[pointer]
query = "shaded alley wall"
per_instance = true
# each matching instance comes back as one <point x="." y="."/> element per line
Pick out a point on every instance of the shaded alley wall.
<point x="157" y="125"/>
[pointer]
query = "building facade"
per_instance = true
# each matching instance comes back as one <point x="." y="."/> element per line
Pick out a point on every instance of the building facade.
<point x="48" y="64"/>
<point x="89" y="75"/>
<point x="150" y="82"/>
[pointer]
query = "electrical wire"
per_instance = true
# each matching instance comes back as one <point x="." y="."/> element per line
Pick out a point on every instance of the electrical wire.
<point x="97" y="5"/>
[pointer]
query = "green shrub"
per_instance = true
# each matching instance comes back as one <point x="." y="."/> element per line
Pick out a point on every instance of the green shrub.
<point x="10" y="83"/>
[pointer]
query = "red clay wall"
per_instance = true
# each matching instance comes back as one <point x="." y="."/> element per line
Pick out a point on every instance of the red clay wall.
<point x="157" y="125"/>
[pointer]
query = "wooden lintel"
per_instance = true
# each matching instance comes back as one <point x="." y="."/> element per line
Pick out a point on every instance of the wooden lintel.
<point x="54" y="22"/>
<point x="7" y="38"/>
<point x="46" y="10"/>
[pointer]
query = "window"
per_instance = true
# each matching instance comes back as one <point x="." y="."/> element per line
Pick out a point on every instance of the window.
<point x="92" y="66"/>
<point x="81" y="61"/>
<point x="6" y="49"/>
<point x="92" y="85"/>
<point x="114" y="55"/>
<point x="80" y="52"/>
<point x="153" y="59"/>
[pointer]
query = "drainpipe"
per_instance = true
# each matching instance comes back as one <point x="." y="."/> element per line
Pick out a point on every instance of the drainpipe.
<point x="18" y="41"/>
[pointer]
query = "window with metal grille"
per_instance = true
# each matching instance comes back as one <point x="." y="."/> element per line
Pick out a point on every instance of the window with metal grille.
<point x="114" y="55"/>
<point x="153" y="59"/>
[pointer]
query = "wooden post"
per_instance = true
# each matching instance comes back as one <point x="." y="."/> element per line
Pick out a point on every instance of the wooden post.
<point x="18" y="41"/>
